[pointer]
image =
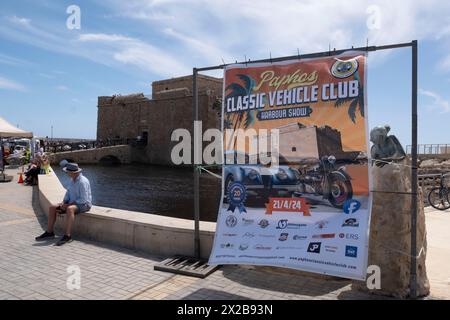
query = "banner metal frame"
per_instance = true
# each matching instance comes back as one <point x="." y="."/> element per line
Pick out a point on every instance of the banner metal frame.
<point x="414" y="70"/>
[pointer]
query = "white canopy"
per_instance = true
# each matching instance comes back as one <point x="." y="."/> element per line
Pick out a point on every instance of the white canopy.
<point x="8" y="130"/>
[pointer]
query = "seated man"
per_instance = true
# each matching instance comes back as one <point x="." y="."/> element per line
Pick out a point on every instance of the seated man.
<point x="78" y="199"/>
<point x="31" y="175"/>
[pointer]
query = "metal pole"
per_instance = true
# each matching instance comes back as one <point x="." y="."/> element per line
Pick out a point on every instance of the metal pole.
<point x="413" y="279"/>
<point x="196" y="173"/>
<point x="314" y="55"/>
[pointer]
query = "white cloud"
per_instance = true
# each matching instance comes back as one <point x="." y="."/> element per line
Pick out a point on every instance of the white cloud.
<point x="113" y="50"/>
<point x="445" y="63"/>
<point x="232" y="29"/>
<point x="13" y="61"/>
<point x="46" y="75"/>
<point x="182" y="34"/>
<point x="8" y="84"/>
<point x="438" y="102"/>
<point x="62" y="88"/>
<point x="211" y="53"/>
<point x="133" y="51"/>
<point x="102" y="37"/>
<point x="20" y="21"/>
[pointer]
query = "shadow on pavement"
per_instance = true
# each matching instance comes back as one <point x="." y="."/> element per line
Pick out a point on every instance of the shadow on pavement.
<point x="209" y="294"/>
<point x="47" y="243"/>
<point x="355" y="294"/>
<point x="41" y="217"/>
<point x="285" y="280"/>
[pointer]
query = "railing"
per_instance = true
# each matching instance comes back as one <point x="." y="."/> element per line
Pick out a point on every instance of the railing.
<point x="427" y="182"/>
<point x="430" y="149"/>
<point x="61" y="146"/>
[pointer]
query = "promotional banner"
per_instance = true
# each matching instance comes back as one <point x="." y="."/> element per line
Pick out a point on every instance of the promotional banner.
<point x="300" y="200"/>
<point x="2" y="165"/>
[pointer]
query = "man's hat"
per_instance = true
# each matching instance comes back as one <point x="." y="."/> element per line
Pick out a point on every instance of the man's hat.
<point x="72" y="168"/>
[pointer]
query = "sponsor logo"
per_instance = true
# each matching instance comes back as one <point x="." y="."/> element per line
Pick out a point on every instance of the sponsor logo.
<point x="351" y="206"/>
<point x="314" y="247"/>
<point x="299" y="237"/>
<point x="351" y="251"/>
<point x="295" y="225"/>
<point x="263" y="223"/>
<point x="229" y="234"/>
<point x="231" y="221"/>
<point x="225" y="256"/>
<point x="266" y="235"/>
<point x="331" y="249"/>
<point x="290" y="248"/>
<point x="227" y="245"/>
<point x="322" y="224"/>
<point x="344" y="69"/>
<point x="247" y="222"/>
<point x="349" y="236"/>
<point x="248" y="235"/>
<point x="282" y="224"/>
<point x="243" y="246"/>
<point x="283" y="236"/>
<point x="351" y="222"/>
<point x="324" y="236"/>
<point x="262" y="247"/>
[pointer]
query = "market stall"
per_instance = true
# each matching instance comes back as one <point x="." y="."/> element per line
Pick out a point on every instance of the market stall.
<point x="7" y="130"/>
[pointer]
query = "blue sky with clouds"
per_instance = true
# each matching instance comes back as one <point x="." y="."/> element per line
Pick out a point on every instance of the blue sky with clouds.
<point x="51" y="76"/>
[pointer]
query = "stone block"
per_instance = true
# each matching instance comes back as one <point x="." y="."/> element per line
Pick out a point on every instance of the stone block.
<point x="390" y="232"/>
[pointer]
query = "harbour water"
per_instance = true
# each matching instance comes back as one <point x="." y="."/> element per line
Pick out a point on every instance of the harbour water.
<point x="150" y="189"/>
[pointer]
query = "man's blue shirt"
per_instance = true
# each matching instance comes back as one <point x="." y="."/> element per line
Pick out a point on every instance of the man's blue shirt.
<point x="79" y="191"/>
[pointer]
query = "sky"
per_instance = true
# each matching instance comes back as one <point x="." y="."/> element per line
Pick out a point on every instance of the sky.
<point x="52" y="73"/>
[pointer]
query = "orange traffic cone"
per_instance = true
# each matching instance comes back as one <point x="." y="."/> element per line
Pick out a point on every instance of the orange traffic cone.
<point x="20" y="178"/>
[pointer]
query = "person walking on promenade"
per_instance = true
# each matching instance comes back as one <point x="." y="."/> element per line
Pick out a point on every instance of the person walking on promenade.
<point x="78" y="199"/>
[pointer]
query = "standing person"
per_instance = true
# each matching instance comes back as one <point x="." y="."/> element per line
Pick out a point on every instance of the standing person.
<point x="78" y="199"/>
<point x="45" y="164"/>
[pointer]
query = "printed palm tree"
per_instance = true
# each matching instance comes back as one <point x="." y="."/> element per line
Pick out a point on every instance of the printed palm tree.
<point x="237" y="90"/>
<point x="355" y="102"/>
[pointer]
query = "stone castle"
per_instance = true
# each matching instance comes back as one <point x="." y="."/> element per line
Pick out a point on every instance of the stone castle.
<point x="153" y="120"/>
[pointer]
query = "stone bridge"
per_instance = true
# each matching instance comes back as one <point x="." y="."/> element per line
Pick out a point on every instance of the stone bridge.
<point x="120" y="154"/>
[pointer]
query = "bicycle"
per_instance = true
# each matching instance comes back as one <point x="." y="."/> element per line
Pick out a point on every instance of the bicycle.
<point x="438" y="197"/>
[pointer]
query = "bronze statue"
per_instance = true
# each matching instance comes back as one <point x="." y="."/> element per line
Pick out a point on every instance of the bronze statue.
<point x="385" y="148"/>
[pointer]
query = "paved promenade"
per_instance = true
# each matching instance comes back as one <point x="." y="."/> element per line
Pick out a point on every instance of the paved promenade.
<point x="30" y="270"/>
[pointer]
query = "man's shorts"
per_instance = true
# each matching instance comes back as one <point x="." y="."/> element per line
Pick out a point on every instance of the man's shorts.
<point x="81" y="208"/>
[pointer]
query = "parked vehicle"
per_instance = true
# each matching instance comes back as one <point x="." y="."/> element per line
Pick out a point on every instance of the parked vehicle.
<point x="324" y="179"/>
<point x="438" y="197"/>
<point x="16" y="159"/>
<point x="19" y="149"/>
<point x="258" y="179"/>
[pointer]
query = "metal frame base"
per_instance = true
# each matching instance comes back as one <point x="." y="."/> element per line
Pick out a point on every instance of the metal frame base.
<point x="187" y="266"/>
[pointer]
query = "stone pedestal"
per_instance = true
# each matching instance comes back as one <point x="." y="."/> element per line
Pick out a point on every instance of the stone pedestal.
<point x="390" y="232"/>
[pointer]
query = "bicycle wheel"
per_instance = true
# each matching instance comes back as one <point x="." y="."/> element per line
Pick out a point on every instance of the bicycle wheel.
<point x="438" y="198"/>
